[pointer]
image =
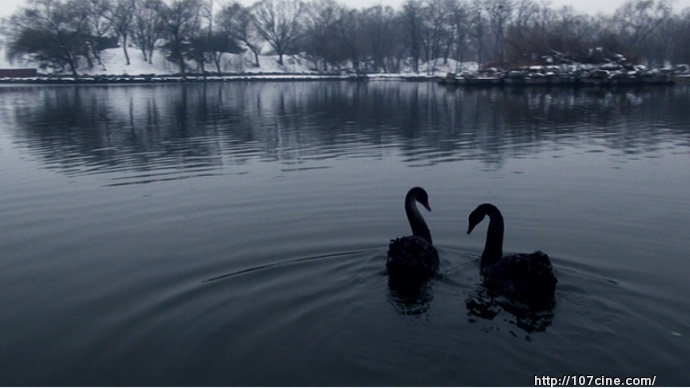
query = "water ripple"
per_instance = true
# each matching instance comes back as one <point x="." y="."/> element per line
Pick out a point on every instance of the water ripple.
<point x="284" y="263"/>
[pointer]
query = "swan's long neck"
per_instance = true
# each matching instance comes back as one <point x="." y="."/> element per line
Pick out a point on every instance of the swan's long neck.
<point x="493" y="248"/>
<point x="417" y="223"/>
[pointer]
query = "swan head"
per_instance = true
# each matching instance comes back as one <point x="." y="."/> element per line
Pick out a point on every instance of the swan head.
<point x="475" y="218"/>
<point x="421" y="196"/>
<point x="478" y="214"/>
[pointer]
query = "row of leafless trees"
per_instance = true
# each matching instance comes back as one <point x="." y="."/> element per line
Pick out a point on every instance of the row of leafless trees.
<point x="66" y="34"/>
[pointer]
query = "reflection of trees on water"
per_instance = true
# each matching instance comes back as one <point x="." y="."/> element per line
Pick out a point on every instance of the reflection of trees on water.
<point x="92" y="127"/>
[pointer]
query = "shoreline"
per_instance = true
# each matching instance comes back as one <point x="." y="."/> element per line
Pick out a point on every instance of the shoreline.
<point x="287" y="77"/>
<point x="195" y="78"/>
<point x="558" y="82"/>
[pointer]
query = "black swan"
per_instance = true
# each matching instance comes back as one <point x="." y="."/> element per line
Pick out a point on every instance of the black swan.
<point x="527" y="275"/>
<point x="414" y="255"/>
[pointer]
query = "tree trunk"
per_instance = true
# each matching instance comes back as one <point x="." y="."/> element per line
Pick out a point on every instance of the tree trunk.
<point x="216" y="59"/>
<point x="124" y="47"/>
<point x="72" y="65"/>
<point x="180" y="58"/>
<point x="150" y="59"/>
<point x="94" y="51"/>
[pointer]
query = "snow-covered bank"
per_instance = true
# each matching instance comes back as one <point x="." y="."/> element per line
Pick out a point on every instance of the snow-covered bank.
<point x="198" y="78"/>
<point x="113" y="68"/>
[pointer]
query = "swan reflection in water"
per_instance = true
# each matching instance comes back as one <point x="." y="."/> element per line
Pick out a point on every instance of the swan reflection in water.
<point x="487" y="304"/>
<point x="410" y="296"/>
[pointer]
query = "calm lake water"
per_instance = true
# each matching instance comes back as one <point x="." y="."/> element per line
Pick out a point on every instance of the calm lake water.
<point x="236" y="234"/>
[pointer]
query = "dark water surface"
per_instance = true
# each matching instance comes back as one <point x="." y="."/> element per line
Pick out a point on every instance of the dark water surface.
<point x="236" y="234"/>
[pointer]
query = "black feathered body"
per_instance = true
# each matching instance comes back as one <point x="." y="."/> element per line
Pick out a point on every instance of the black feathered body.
<point x="529" y="275"/>
<point x="412" y="256"/>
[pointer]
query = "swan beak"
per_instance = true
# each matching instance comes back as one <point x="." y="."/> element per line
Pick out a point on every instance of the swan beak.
<point x="426" y="206"/>
<point x="469" y="229"/>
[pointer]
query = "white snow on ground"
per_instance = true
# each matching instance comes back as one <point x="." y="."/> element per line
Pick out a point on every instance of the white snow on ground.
<point x="113" y="62"/>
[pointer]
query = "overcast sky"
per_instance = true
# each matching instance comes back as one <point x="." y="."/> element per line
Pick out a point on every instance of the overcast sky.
<point x="7" y="7"/>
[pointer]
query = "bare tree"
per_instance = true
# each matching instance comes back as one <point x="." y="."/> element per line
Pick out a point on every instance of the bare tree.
<point x="237" y="22"/>
<point x="349" y="39"/>
<point x="320" y="40"/>
<point x="382" y="38"/>
<point x="436" y="30"/>
<point x="637" y="20"/>
<point x="543" y="33"/>
<point x="680" y="50"/>
<point x="278" y="22"/>
<point x="122" y="20"/>
<point x="98" y="17"/>
<point x="461" y="20"/>
<point x="148" y="26"/>
<point x="479" y="30"/>
<point x="518" y="33"/>
<point x="181" y="20"/>
<point x="198" y="42"/>
<point x="499" y="13"/>
<point x="411" y="20"/>
<point x="51" y="33"/>
<point x="215" y="39"/>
